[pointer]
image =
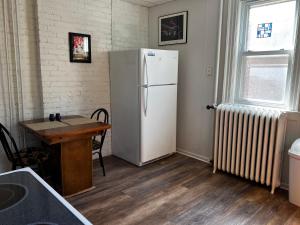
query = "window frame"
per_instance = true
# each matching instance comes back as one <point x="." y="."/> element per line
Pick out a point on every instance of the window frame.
<point x="242" y="53"/>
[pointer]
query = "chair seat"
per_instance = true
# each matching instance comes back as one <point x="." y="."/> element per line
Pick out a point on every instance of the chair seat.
<point x="32" y="156"/>
<point x="96" y="145"/>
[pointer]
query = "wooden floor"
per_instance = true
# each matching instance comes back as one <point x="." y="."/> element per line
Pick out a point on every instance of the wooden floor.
<point x="179" y="190"/>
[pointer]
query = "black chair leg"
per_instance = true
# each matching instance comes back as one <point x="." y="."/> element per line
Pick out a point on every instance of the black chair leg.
<point x="101" y="162"/>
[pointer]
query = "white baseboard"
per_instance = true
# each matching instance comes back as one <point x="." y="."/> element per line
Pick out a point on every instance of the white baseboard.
<point x="205" y="159"/>
<point x="193" y="155"/>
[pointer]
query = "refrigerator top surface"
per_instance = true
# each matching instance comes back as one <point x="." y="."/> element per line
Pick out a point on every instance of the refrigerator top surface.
<point x="158" y="50"/>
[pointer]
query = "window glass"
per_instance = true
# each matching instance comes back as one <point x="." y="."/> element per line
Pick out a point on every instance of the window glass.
<point x="265" y="78"/>
<point x="271" y="26"/>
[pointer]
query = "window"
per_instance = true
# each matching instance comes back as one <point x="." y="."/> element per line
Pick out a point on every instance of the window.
<point x="266" y="53"/>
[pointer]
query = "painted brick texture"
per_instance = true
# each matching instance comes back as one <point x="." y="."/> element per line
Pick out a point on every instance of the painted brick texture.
<point x="50" y="83"/>
<point x="76" y="88"/>
<point x="130" y="25"/>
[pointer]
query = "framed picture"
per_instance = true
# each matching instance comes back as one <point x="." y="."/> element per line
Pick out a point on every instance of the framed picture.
<point x="80" y="48"/>
<point x="173" y="29"/>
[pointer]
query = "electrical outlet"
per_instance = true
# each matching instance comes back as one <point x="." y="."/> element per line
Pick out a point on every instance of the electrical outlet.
<point x="209" y="70"/>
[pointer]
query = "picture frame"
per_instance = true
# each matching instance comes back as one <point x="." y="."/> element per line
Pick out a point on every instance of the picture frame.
<point x="80" y="48"/>
<point x="172" y="28"/>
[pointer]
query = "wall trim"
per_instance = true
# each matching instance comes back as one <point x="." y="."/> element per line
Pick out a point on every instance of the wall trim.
<point x="205" y="159"/>
<point x="193" y="155"/>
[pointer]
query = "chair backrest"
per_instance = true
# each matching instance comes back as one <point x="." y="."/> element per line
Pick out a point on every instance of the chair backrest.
<point x="101" y="115"/>
<point x="7" y="142"/>
<point x="97" y="115"/>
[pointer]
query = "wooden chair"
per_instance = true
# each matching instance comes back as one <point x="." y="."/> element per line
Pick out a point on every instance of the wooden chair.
<point x="97" y="145"/>
<point x="28" y="157"/>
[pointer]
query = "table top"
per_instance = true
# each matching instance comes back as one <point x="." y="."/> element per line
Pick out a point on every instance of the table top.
<point x="68" y="129"/>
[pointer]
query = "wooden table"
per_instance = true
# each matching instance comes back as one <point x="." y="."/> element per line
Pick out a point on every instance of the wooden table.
<point x="72" y="140"/>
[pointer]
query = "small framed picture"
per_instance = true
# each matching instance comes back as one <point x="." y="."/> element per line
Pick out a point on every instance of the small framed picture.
<point x="173" y="28"/>
<point x="80" y="48"/>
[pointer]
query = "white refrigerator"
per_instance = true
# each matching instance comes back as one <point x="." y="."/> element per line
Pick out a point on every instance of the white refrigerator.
<point x="143" y="104"/>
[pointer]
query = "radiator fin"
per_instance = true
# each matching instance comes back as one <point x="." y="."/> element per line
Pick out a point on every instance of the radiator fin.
<point x="248" y="142"/>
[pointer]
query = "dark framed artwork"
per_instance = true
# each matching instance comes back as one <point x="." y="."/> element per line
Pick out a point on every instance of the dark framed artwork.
<point x="80" y="48"/>
<point x="173" y="28"/>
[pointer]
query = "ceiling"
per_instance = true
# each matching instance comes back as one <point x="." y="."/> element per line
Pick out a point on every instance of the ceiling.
<point x="148" y="3"/>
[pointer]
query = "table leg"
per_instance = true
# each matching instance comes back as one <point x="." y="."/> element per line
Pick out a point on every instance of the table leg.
<point x="76" y="166"/>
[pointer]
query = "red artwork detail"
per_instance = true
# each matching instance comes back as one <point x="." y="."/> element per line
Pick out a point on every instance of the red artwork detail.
<point x="78" y="42"/>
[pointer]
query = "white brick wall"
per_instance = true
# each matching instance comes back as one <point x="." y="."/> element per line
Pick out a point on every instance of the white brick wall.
<point x="29" y="54"/>
<point x="75" y="88"/>
<point x="130" y="25"/>
<point x="50" y="82"/>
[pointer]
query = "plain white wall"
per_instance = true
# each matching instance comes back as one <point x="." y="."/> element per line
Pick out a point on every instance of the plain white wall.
<point x="196" y="88"/>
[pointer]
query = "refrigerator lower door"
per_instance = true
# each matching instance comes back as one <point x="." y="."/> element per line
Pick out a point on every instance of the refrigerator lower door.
<point x="158" y="121"/>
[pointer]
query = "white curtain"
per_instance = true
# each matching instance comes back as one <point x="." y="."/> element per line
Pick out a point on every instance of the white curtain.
<point x="226" y="55"/>
<point x="296" y="79"/>
<point x="11" y="100"/>
<point x="231" y="36"/>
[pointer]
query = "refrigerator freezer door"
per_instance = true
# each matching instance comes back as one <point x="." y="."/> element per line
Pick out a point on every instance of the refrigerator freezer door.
<point x="158" y="121"/>
<point x="159" y="67"/>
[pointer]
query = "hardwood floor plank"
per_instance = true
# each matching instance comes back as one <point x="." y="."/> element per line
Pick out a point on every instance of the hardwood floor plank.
<point x="294" y="219"/>
<point x="216" y="201"/>
<point x="179" y="190"/>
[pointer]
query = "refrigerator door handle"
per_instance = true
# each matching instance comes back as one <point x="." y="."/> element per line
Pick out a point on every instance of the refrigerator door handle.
<point x="146" y="77"/>
<point x="161" y="85"/>
<point x="146" y="93"/>
<point x="146" y="86"/>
